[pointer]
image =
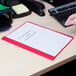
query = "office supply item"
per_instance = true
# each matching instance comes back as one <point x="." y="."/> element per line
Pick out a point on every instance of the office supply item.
<point x="5" y="15"/>
<point x="56" y="3"/>
<point x="61" y="13"/>
<point x="34" y="6"/>
<point x="19" y="9"/>
<point x="38" y="39"/>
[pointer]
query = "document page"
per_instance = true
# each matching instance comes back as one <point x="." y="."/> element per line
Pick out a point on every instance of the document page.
<point x="43" y="39"/>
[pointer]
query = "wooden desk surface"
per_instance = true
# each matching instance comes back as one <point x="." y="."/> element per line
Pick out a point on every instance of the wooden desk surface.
<point x="15" y="61"/>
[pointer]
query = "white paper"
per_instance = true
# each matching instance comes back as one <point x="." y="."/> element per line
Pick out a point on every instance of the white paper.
<point x="40" y="38"/>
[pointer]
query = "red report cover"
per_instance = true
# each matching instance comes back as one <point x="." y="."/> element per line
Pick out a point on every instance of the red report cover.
<point x="39" y="39"/>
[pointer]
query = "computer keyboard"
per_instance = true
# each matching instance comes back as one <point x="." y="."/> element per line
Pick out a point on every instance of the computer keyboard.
<point x="61" y="13"/>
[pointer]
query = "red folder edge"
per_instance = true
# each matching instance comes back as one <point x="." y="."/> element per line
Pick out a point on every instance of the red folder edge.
<point x="36" y="51"/>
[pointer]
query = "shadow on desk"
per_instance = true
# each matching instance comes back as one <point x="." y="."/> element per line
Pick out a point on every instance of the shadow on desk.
<point x="66" y="69"/>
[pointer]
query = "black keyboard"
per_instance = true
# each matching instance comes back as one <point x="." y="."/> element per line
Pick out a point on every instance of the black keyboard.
<point x="61" y="13"/>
